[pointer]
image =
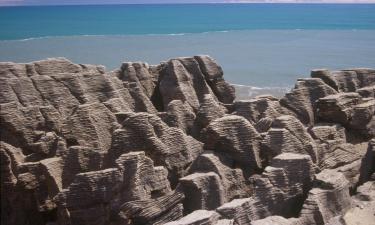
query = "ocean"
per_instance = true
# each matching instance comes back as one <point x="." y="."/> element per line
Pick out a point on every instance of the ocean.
<point x="262" y="46"/>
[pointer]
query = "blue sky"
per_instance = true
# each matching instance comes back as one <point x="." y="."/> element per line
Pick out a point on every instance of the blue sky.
<point x="72" y="2"/>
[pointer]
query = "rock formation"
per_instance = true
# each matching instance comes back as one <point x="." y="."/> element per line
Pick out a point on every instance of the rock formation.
<point x="169" y="144"/>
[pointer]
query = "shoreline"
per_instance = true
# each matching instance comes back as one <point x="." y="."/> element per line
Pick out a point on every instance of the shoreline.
<point x="251" y="58"/>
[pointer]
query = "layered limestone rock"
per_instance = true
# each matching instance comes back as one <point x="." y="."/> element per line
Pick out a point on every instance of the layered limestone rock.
<point x="93" y="197"/>
<point x="198" y="217"/>
<point x="182" y="79"/>
<point x="280" y="190"/>
<point x="282" y="187"/>
<point x="152" y="211"/>
<point x="235" y="137"/>
<point x="239" y="210"/>
<point x="301" y="100"/>
<point x="233" y="179"/>
<point x="363" y="208"/>
<point x="346" y="80"/>
<point x="287" y="134"/>
<point x="202" y="191"/>
<point x="167" y="144"/>
<point x="214" y="77"/>
<point x="328" y="199"/>
<point x="350" y="110"/>
<point x="261" y="111"/>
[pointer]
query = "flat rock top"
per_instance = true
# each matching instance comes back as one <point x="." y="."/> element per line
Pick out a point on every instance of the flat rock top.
<point x="195" y="217"/>
<point x="234" y="203"/>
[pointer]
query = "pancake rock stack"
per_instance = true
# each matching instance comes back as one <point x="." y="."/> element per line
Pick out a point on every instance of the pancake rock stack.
<point x="169" y="144"/>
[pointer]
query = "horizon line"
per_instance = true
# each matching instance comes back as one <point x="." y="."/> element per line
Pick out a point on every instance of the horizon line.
<point x="199" y="3"/>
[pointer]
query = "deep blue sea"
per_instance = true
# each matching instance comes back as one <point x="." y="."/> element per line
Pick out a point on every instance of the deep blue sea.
<point x="41" y="21"/>
<point x="262" y="45"/>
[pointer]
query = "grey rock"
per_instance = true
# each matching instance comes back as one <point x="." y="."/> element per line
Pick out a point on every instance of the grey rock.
<point x="153" y="211"/>
<point x="182" y="79"/>
<point x="181" y="115"/>
<point x="329" y="198"/>
<point x="288" y="134"/>
<point x="149" y="144"/>
<point x="235" y="137"/>
<point x="166" y="146"/>
<point x="368" y="163"/>
<point x="239" y="210"/>
<point x="276" y="220"/>
<point x="301" y="99"/>
<point x="202" y="191"/>
<point x="233" y="180"/>
<point x="367" y="92"/>
<point x="350" y="110"/>
<point x="258" y="109"/>
<point x="343" y="81"/>
<point x="139" y="73"/>
<point x="214" y="76"/>
<point x="198" y="217"/>
<point x="326" y="132"/>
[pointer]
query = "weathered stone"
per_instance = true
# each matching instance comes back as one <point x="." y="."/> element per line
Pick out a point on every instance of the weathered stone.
<point x="154" y="211"/>
<point x="198" y="217"/>
<point x="208" y="111"/>
<point x="338" y="108"/>
<point x="350" y="110"/>
<point x="288" y="135"/>
<point x="235" y="137"/>
<point x="301" y="99"/>
<point x="343" y="81"/>
<point x="180" y="115"/>
<point x="276" y="220"/>
<point x="139" y="73"/>
<point x="239" y="210"/>
<point x="141" y="179"/>
<point x="366" y="76"/>
<point x="202" y="191"/>
<point x="367" y="92"/>
<point x="329" y="198"/>
<point x="326" y="132"/>
<point x="90" y="125"/>
<point x="87" y="200"/>
<point x="166" y="146"/>
<point x="368" y="163"/>
<point x="281" y="189"/>
<point x="80" y="145"/>
<point x="214" y="76"/>
<point x="262" y="107"/>
<point x="233" y="180"/>
<point x="182" y="79"/>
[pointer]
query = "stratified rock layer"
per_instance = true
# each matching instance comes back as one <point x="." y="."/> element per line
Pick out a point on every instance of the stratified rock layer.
<point x="168" y="144"/>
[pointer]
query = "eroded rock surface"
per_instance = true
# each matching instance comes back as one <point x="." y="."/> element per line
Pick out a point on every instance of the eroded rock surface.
<point x="169" y="144"/>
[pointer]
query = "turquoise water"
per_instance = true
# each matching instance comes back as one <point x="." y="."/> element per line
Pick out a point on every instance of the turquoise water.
<point x="267" y="46"/>
<point x="41" y="21"/>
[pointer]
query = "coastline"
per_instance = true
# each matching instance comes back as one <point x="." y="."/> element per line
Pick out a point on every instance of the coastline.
<point x="256" y="58"/>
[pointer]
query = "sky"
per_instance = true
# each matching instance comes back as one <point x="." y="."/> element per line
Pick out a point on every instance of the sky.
<point x="80" y="2"/>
